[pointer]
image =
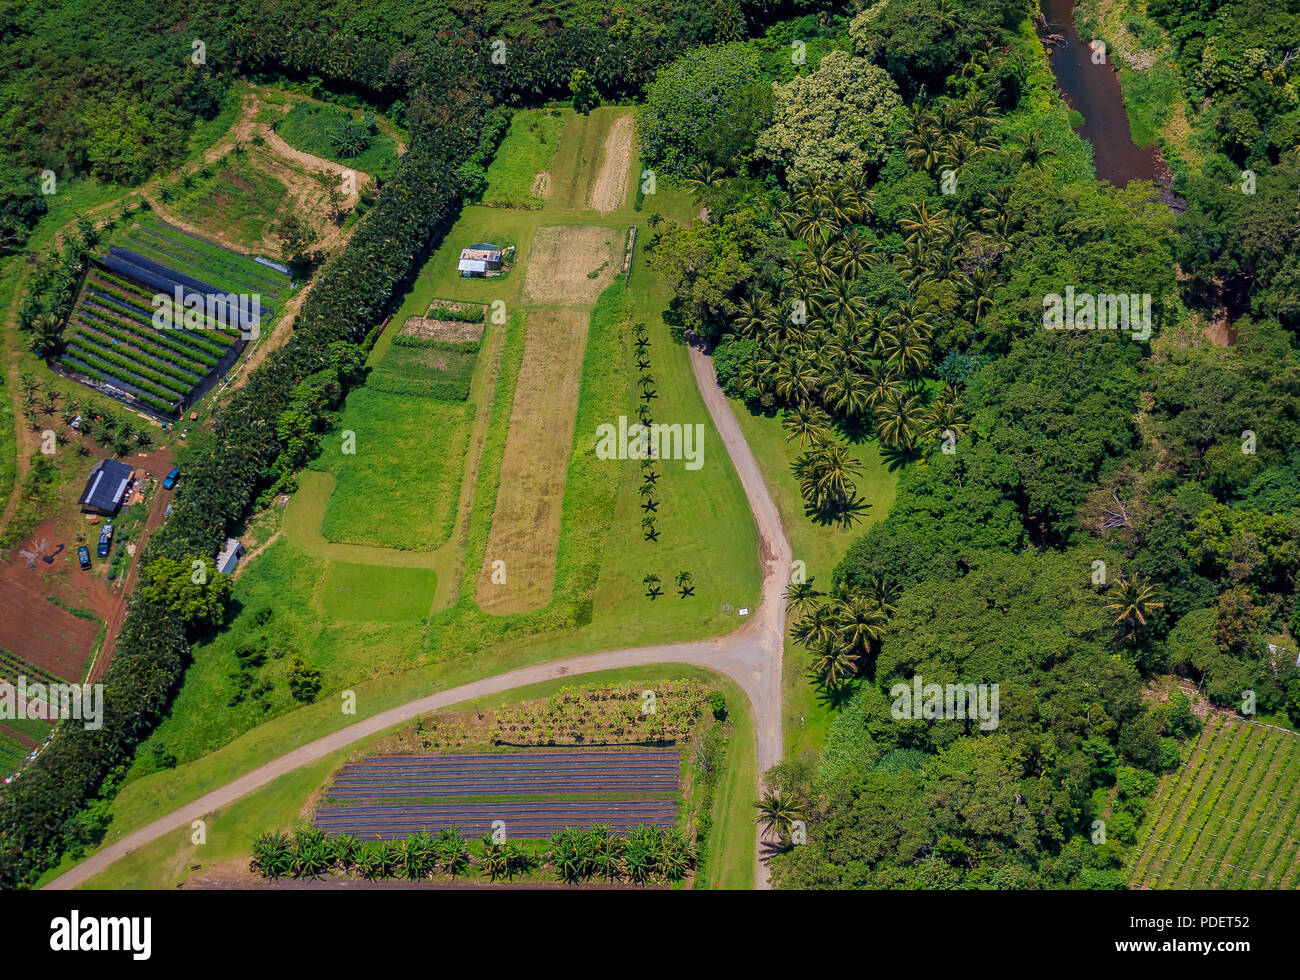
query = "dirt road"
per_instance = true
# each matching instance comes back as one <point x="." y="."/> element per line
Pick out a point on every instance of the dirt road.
<point x="751" y="656"/>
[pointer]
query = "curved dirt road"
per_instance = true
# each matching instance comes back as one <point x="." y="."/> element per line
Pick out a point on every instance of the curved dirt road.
<point x="751" y="656"/>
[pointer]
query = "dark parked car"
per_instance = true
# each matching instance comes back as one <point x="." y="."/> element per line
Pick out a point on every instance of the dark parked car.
<point x="83" y="556"/>
<point x="105" y="540"/>
<point x="170" y="479"/>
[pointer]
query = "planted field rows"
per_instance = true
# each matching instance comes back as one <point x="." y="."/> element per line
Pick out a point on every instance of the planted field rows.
<point x="113" y="342"/>
<point x="1230" y="817"/>
<point x="517" y="774"/>
<point x="484" y="775"/>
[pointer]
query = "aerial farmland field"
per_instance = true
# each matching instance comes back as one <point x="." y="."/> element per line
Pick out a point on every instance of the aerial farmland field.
<point x="1228" y="817"/>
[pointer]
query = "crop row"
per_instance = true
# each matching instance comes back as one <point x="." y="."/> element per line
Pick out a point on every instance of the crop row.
<point x="143" y="299"/>
<point x="155" y="342"/>
<point x="1257" y="834"/>
<point x="213" y="342"/>
<point x="117" y="373"/>
<point x="140" y="303"/>
<point x="1206" y="777"/>
<point x="1172" y="796"/>
<point x="1216" y="854"/>
<point x="1230" y="815"/>
<point x="87" y="344"/>
<point x="1214" y="807"/>
<point x="98" y="374"/>
<point x="13" y="666"/>
<point x="177" y="245"/>
<point x="137" y="355"/>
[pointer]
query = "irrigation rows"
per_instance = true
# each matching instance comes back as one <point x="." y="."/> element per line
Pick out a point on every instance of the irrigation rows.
<point x="475" y="779"/>
<point x="1230" y="817"/>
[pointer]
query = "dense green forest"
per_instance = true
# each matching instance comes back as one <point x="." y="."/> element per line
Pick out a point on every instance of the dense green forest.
<point x="1078" y="514"/>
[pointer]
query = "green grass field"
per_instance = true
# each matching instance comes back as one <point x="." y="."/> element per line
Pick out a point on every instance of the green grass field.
<point x="1229" y="817"/>
<point x="307" y="127"/>
<point x="433" y="369"/>
<point x="399" y="488"/>
<point x="807" y="717"/>
<point x="526" y="151"/>
<point x="374" y="594"/>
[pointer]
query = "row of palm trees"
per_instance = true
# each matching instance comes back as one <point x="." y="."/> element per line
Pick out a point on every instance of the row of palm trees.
<point x="641" y="855"/>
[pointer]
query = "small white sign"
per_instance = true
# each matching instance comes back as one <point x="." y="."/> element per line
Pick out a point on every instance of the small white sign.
<point x="743" y="612"/>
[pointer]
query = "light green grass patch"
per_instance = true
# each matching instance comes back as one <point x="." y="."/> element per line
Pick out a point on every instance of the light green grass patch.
<point x="377" y="594"/>
<point x="308" y="126"/>
<point x="525" y="153"/>
<point x="400" y="487"/>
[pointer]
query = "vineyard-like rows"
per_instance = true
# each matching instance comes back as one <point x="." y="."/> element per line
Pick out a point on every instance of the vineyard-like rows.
<point x="1230" y="817"/>
<point x="476" y="779"/>
<point x="13" y="667"/>
<point x="192" y="256"/>
<point x="111" y="337"/>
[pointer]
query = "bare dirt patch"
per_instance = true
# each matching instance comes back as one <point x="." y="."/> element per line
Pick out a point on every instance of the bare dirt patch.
<point x="541" y="185"/>
<point x="610" y="189"/>
<point x="563" y="258"/>
<point x="525" y="530"/>
<point x="451" y="331"/>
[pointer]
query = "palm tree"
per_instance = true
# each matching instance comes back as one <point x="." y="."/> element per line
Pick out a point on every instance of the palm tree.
<point x="923" y="225"/>
<point x="853" y="254"/>
<point x="494" y="863"/>
<point x="945" y="415"/>
<point x="826" y="474"/>
<point x="686" y="583"/>
<point x="703" y="175"/>
<point x="898" y="420"/>
<point x="862" y="623"/>
<point x="884" y="593"/>
<point x="47" y="334"/>
<point x="752" y="315"/>
<point x="796" y="380"/>
<point x="651" y="583"/>
<point x="777" y="816"/>
<point x="1133" y="602"/>
<point x="1033" y="153"/>
<point x="834" y="664"/>
<point x="924" y="149"/>
<point x="801" y="597"/>
<point x="816" y="628"/>
<point x="845" y="392"/>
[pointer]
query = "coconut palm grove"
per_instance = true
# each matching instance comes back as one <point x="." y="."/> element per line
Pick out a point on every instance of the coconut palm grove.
<point x="762" y="445"/>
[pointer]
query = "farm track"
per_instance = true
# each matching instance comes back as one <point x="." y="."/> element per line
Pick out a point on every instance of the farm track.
<point x="751" y="656"/>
